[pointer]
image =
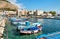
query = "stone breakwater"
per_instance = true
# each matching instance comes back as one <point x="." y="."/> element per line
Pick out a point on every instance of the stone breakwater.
<point x="2" y="26"/>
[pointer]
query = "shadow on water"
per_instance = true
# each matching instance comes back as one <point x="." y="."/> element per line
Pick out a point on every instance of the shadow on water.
<point x="17" y="33"/>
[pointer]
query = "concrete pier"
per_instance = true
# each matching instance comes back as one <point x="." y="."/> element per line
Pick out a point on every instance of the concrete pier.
<point x="2" y="25"/>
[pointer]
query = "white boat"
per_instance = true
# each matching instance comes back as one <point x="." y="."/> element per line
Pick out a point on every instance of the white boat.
<point x="16" y="21"/>
<point x="30" y="29"/>
<point x="21" y="23"/>
<point x="26" y="32"/>
<point x="35" y="31"/>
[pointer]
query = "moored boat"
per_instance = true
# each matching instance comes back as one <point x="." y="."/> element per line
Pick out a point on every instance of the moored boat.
<point x="17" y="21"/>
<point x="25" y="32"/>
<point x="29" y="29"/>
<point x="49" y="36"/>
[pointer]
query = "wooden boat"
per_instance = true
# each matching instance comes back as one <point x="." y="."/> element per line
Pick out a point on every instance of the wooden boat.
<point x="30" y="29"/>
<point x="18" y="21"/>
<point x="25" y="32"/>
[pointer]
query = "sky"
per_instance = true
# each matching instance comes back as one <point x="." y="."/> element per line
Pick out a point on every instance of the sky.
<point x="45" y="5"/>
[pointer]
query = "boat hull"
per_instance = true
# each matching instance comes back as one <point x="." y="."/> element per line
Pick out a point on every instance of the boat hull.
<point x="30" y="32"/>
<point x="25" y="32"/>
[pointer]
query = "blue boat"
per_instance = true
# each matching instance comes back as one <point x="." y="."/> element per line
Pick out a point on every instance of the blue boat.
<point x="17" y="21"/>
<point x="29" y="29"/>
<point x="26" y="27"/>
<point x="49" y="36"/>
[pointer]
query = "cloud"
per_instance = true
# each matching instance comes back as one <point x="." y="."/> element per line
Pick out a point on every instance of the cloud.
<point x="20" y="5"/>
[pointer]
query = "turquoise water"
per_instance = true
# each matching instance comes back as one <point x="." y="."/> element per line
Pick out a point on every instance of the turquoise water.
<point x="49" y="26"/>
<point x="55" y="35"/>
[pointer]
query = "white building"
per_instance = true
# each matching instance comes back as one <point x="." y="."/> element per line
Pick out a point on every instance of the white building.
<point x="7" y="12"/>
<point x="57" y="16"/>
<point x="31" y="12"/>
<point x="40" y="12"/>
<point x="10" y="12"/>
<point x="49" y="15"/>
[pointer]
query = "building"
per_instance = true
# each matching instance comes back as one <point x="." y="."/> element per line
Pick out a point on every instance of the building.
<point x="22" y="13"/>
<point x="30" y="13"/>
<point x="57" y="16"/>
<point x="49" y="15"/>
<point x="46" y="15"/>
<point x="36" y="12"/>
<point x="40" y="12"/>
<point x="10" y="13"/>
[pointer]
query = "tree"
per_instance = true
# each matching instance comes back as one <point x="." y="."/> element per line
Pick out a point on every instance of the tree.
<point x="44" y="12"/>
<point x="53" y="13"/>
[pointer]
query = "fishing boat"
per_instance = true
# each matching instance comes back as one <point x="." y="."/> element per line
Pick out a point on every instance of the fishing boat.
<point x="17" y="21"/>
<point x="49" y="36"/>
<point x="30" y="29"/>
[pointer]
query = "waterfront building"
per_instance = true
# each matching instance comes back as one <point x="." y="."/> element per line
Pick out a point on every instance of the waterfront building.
<point x="36" y="12"/>
<point x="19" y="13"/>
<point x="57" y="16"/>
<point x="31" y="12"/>
<point x="39" y="12"/>
<point x="46" y="15"/>
<point x="10" y="13"/>
<point x="49" y="15"/>
<point x="22" y="13"/>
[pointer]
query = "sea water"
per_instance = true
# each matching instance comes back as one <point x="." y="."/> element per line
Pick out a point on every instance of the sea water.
<point x="48" y="26"/>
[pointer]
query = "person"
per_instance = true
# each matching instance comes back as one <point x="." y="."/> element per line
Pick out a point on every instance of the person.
<point x="43" y="38"/>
